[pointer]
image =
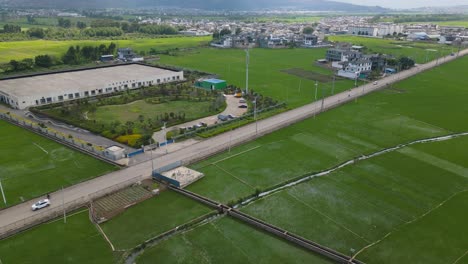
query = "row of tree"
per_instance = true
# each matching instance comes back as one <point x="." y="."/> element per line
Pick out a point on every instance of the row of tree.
<point x="78" y="55"/>
<point x="74" y="56"/>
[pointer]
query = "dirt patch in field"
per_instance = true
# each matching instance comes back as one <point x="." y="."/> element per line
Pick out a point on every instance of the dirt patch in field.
<point x="310" y="75"/>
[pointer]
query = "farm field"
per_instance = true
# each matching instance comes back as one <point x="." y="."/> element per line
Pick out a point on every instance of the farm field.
<point x="151" y="218"/>
<point x="18" y="50"/>
<point x="33" y="165"/>
<point x="266" y="71"/>
<point x="77" y="241"/>
<point x="413" y="109"/>
<point x="226" y="241"/>
<point x="361" y="204"/>
<point x="415" y="50"/>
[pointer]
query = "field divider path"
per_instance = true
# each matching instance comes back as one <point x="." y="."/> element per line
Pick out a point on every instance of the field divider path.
<point x="20" y="217"/>
<point x="237" y="178"/>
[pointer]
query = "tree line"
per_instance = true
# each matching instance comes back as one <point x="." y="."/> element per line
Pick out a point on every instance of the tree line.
<point x="75" y="55"/>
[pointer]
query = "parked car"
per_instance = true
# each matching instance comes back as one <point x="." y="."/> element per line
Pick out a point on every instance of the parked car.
<point x="232" y="116"/>
<point x="40" y="204"/>
<point x="223" y="117"/>
<point x="242" y="101"/>
<point x="375" y="83"/>
<point x="242" y="106"/>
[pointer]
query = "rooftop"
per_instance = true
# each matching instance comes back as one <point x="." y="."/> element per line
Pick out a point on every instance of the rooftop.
<point x="80" y="81"/>
<point x="214" y="81"/>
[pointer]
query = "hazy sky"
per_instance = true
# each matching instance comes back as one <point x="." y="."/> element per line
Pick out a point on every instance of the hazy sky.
<point x="406" y="3"/>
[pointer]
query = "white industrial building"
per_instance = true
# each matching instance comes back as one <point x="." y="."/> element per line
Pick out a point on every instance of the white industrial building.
<point x="23" y="92"/>
<point x="375" y="30"/>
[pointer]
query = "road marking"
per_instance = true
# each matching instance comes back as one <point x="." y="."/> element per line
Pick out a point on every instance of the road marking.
<point x="41" y="148"/>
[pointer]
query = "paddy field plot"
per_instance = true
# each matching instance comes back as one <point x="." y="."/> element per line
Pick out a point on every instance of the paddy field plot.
<point x="151" y="218"/>
<point x="395" y="197"/>
<point x="31" y="165"/>
<point x="17" y="50"/>
<point x="227" y="241"/>
<point x="56" y="242"/>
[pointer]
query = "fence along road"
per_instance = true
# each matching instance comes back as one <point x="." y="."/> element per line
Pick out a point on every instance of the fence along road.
<point x="21" y="216"/>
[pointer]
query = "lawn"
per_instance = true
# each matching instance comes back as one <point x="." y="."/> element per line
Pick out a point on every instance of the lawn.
<point x="131" y="111"/>
<point x="419" y="51"/>
<point x="266" y="71"/>
<point x="17" y="50"/>
<point x="415" y="108"/>
<point x="151" y="218"/>
<point x="77" y="241"/>
<point x="227" y="241"/>
<point x="32" y="165"/>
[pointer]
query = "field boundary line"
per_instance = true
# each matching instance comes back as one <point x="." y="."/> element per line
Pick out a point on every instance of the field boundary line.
<point x="328" y="217"/>
<point x="41" y="148"/>
<point x="357" y="198"/>
<point x="407" y="223"/>
<point x="235" y="155"/>
<point x="230" y="241"/>
<point x="239" y="179"/>
<point x="98" y="227"/>
<point x="58" y="219"/>
<point x="456" y="261"/>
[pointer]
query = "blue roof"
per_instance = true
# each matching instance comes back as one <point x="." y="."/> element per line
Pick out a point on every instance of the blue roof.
<point x="214" y="81"/>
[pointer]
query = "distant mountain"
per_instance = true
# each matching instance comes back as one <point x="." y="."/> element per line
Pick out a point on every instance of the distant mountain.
<point x="313" y="5"/>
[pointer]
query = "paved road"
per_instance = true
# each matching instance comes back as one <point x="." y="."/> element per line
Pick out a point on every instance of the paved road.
<point x="22" y="213"/>
<point x="232" y="108"/>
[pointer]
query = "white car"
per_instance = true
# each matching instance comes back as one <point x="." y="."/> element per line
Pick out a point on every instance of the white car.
<point x="41" y="204"/>
<point x="375" y="83"/>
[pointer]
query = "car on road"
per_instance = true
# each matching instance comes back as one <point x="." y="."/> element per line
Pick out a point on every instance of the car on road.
<point x="242" y="106"/>
<point x="232" y="116"/>
<point x="40" y="204"/>
<point x="242" y="101"/>
<point x="223" y="117"/>
<point x="375" y="83"/>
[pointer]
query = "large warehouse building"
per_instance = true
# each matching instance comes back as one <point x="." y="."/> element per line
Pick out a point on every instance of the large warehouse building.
<point x="23" y="92"/>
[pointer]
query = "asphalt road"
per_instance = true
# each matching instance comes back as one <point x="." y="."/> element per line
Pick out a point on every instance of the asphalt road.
<point x="22" y="214"/>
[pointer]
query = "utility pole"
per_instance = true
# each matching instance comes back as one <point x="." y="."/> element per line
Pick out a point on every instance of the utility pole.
<point x="247" y="61"/>
<point x="333" y="87"/>
<point x="165" y="136"/>
<point x="63" y="206"/>
<point x="255" y="117"/>
<point x="3" y="194"/>
<point x="151" y="152"/>
<point x="316" y="85"/>
<point x="323" y="98"/>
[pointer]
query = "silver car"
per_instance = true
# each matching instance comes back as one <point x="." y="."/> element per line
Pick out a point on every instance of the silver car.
<point x="40" y="204"/>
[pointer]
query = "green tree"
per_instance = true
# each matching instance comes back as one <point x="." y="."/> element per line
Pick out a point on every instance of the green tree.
<point x="308" y="30"/>
<point x="36" y="33"/>
<point x="238" y="31"/>
<point x="224" y="32"/>
<point x="8" y="28"/>
<point x="44" y="61"/>
<point x="81" y="25"/>
<point x="64" y="23"/>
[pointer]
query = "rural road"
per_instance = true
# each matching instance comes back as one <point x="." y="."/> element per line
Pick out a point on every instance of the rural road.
<point x="19" y="215"/>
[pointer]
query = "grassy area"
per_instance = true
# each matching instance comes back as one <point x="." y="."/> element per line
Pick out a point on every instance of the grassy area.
<point x="151" y="218"/>
<point x="77" y="241"/>
<point x="17" y="50"/>
<point x="266" y="68"/>
<point x="359" y="205"/>
<point x="33" y="165"/>
<point x="226" y="241"/>
<point x="131" y="111"/>
<point x="416" y="50"/>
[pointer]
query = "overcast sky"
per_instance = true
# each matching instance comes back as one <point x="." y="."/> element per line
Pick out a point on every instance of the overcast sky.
<point x="407" y="3"/>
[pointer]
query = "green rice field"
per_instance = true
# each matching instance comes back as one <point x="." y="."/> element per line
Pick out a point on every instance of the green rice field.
<point x="76" y="241"/>
<point x="32" y="165"/>
<point x="17" y="50"/>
